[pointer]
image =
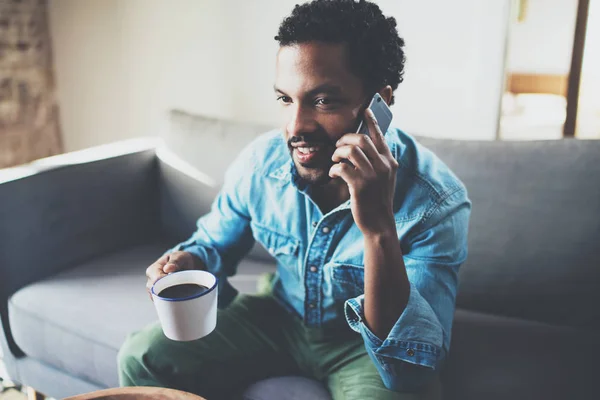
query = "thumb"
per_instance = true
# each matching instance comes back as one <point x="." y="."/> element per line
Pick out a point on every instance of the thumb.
<point x="171" y="267"/>
<point x="177" y="261"/>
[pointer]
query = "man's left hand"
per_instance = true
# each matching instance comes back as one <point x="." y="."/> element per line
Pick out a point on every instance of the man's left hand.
<point x="371" y="178"/>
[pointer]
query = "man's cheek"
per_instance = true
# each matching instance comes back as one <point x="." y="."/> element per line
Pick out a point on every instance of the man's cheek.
<point x="349" y="124"/>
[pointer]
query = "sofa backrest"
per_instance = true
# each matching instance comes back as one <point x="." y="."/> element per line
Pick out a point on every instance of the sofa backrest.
<point x="534" y="238"/>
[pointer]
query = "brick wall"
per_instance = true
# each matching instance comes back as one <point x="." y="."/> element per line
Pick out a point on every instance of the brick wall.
<point x="29" y="125"/>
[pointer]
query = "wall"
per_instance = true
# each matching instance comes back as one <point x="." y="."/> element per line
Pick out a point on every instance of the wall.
<point x="588" y="112"/>
<point x="542" y="43"/>
<point x="455" y="66"/>
<point x="89" y="71"/>
<point x="122" y="64"/>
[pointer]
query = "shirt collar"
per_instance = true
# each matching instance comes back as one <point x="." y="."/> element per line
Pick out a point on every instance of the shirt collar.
<point x="287" y="173"/>
<point x="284" y="172"/>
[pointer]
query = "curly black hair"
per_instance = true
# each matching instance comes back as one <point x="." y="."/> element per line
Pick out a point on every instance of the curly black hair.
<point x="376" y="51"/>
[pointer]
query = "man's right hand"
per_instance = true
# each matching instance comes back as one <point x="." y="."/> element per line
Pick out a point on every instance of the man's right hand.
<point x="173" y="262"/>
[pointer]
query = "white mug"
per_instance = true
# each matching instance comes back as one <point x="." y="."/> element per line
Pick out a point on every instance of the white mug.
<point x="188" y="318"/>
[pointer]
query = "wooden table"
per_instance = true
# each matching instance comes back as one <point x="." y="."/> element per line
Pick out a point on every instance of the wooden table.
<point x="135" y="393"/>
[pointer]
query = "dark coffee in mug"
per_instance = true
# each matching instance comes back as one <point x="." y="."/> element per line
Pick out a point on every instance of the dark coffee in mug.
<point x="182" y="291"/>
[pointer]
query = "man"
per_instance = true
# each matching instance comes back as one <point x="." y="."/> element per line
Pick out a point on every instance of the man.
<point x="368" y="231"/>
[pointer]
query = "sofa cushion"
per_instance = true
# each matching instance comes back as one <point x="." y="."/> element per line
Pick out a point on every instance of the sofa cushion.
<point x="534" y="230"/>
<point x="77" y="320"/>
<point x="498" y="358"/>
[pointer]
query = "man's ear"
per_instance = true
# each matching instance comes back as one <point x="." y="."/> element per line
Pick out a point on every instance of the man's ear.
<point x="387" y="92"/>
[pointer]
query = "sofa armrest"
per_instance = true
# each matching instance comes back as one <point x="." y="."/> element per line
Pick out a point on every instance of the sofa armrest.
<point x="60" y="211"/>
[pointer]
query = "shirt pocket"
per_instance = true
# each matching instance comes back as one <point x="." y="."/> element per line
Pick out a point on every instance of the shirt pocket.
<point x="347" y="280"/>
<point x="282" y="247"/>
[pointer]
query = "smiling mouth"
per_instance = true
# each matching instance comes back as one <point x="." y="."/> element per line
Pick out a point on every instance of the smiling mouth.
<point x="307" y="155"/>
<point x="307" y="150"/>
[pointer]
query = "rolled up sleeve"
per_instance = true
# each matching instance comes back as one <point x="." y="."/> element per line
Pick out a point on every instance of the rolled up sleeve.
<point x="418" y="342"/>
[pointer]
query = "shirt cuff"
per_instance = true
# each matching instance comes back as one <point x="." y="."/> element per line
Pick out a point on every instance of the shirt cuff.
<point x="415" y="338"/>
<point x="191" y="246"/>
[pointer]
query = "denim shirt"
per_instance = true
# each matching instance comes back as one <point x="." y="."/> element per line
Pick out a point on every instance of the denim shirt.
<point x="320" y="258"/>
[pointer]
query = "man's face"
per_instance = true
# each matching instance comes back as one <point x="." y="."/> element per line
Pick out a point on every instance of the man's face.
<point x="321" y="100"/>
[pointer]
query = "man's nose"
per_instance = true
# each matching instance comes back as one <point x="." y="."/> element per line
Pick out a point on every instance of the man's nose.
<point x="300" y="122"/>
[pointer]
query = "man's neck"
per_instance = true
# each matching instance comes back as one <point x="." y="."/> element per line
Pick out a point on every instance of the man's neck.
<point x="329" y="196"/>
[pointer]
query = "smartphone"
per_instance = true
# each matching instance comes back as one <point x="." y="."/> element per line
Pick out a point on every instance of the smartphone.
<point x="382" y="113"/>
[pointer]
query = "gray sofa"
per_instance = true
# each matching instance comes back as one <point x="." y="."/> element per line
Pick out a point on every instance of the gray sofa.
<point x="77" y="232"/>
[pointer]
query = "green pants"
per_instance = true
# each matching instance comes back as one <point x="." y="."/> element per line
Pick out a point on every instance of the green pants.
<point x="255" y="339"/>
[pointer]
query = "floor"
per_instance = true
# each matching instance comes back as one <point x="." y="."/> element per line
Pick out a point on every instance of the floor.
<point x="11" y="393"/>
<point x="8" y="390"/>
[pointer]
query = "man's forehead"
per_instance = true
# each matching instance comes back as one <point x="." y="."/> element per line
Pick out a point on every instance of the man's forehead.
<point x="317" y="56"/>
<point x="312" y="65"/>
<point x="314" y="87"/>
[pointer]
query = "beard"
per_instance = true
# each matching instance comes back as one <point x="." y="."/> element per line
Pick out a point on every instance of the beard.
<point x="314" y="171"/>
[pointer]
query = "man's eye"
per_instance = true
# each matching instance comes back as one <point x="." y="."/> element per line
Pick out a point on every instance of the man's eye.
<point x="284" y="99"/>
<point x="324" y="101"/>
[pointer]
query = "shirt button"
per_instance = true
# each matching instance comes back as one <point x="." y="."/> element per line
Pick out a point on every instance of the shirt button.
<point x="313" y="269"/>
<point x="326" y="229"/>
<point x="314" y="224"/>
<point x="410" y="352"/>
<point x="312" y="305"/>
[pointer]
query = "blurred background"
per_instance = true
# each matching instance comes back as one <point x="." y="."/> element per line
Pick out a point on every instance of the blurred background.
<point x="75" y="74"/>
